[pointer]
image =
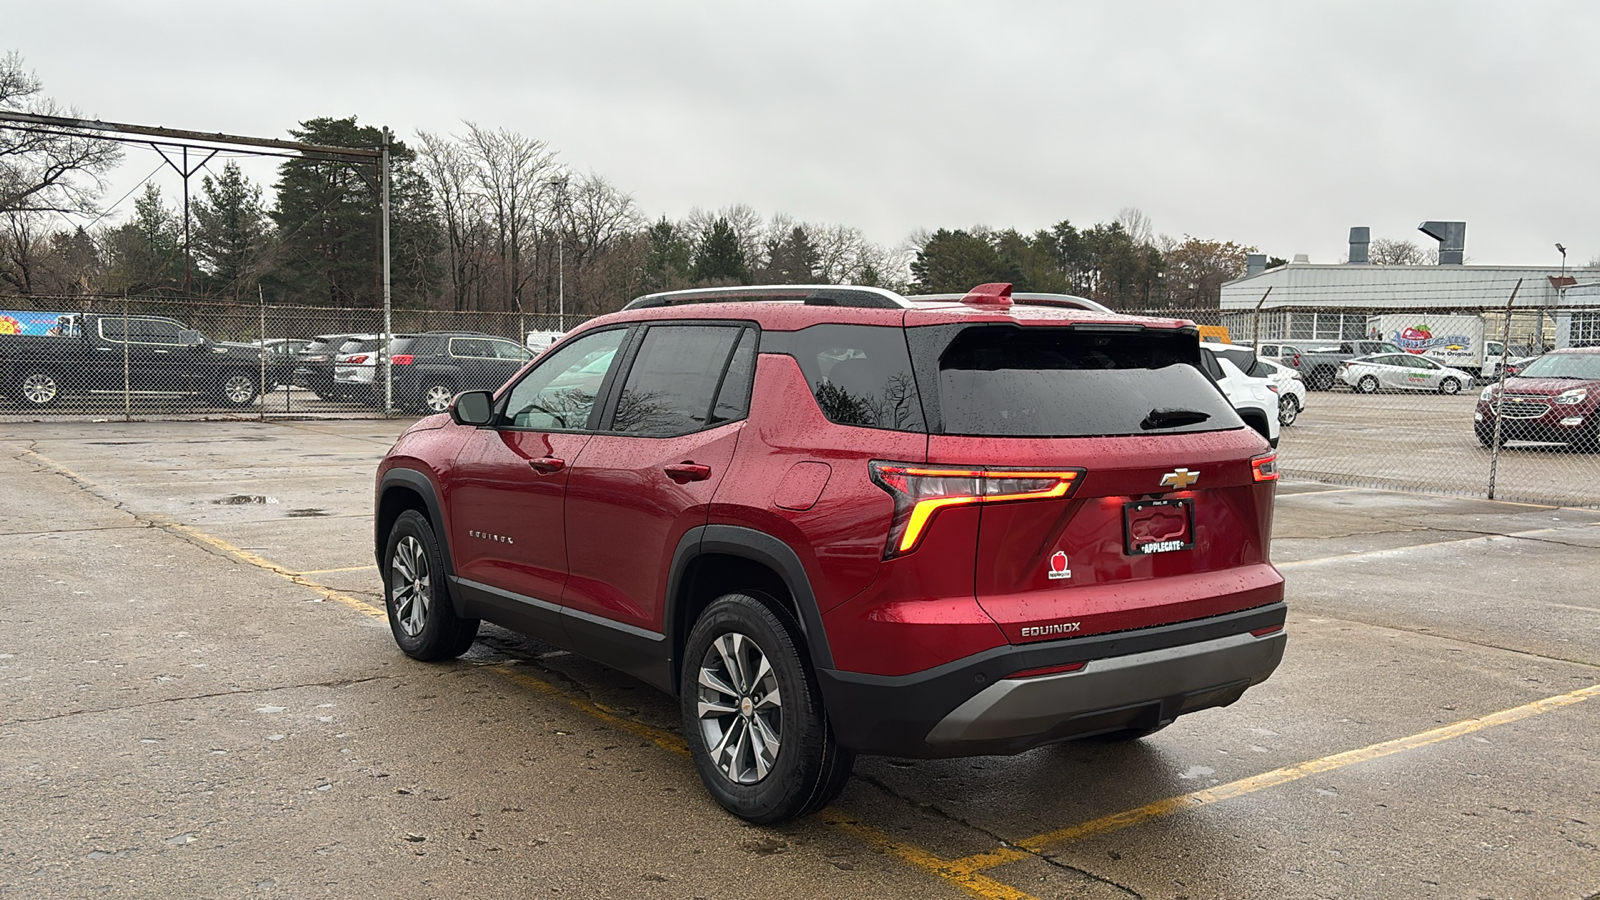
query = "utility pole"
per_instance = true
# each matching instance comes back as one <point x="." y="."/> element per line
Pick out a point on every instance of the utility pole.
<point x="388" y="285"/>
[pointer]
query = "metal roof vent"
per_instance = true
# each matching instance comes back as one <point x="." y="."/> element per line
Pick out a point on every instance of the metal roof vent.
<point x="1360" y="236"/>
<point x="1452" y="238"/>
<point x="1300" y="259"/>
<point x="1255" y="264"/>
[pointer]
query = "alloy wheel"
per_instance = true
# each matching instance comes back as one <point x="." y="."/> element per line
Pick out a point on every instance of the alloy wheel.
<point x="40" y="388"/>
<point x="437" y="399"/>
<point x="409" y="585"/>
<point x="740" y="708"/>
<point x="239" y="389"/>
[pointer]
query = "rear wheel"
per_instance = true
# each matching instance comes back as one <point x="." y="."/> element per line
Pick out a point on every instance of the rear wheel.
<point x="238" y="389"/>
<point x="1288" y="409"/>
<point x="424" y="623"/>
<point x="753" y="714"/>
<point x="436" y="398"/>
<point x="1320" y="380"/>
<point x="37" y="389"/>
<point x="1367" y="385"/>
<point x="1450" y="386"/>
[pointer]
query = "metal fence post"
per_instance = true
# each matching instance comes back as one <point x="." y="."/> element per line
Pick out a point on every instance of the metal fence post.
<point x="127" y="366"/>
<point x="261" y="386"/>
<point x="1500" y="390"/>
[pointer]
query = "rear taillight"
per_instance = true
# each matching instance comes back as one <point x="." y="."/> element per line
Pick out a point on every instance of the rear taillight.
<point x="402" y="359"/>
<point x="1297" y="360"/>
<point x="1263" y="632"/>
<point x="357" y="360"/>
<point x="919" y="493"/>
<point x="1265" y="468"/>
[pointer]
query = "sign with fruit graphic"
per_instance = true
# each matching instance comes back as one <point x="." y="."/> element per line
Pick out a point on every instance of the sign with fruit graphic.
<point x="21" y="322"/>
<point x="1420" y="338"/>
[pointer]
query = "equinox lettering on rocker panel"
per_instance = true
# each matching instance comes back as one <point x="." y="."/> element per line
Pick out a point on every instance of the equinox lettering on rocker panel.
<point x="1057" y="628"/>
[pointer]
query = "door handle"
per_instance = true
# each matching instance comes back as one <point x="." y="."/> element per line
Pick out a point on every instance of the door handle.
<point x="547" y="465"/>
<point x="685" y="472"/>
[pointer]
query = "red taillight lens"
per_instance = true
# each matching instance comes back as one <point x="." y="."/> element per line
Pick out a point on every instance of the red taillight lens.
<point x="402" y="359"/>
<point x="1265" y="468"/>
<point x="1297" y="360"/>
<point x="1048" y="670"/>
<point x="919" y="493"/>
<point x="357" y="360"/>
<point x="1263" y="632"/>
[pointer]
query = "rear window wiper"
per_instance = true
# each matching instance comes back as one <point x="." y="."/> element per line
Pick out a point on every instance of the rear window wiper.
<point x="1172" y="418"/>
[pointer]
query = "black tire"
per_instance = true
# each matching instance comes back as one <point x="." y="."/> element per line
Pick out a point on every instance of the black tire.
<point x="1367" y="385"/>
<point x="421" y="617"/>
<point x="809" y="769"/>
<point x="37" y="389"/>
<point x="1449" y="386"/>
<point x="1320" y="380"/>
<point x="1486" y="436"/>
<point x="238" y="389"/>
<point x="1288" y="410"/>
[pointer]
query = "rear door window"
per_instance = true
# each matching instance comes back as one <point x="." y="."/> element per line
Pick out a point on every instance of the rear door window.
<point x="673" y="382"/>
<point x="1059" y="382"/>
<point x="860" y="374"/>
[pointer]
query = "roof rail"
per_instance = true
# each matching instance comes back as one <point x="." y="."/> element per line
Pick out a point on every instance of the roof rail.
<point x="808" y="294"/>
<point x="1030" y="298"/>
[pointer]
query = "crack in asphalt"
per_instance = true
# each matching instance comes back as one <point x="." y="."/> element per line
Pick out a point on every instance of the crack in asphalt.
<point x="954" y="819"/>
<point x="335" y="683"/>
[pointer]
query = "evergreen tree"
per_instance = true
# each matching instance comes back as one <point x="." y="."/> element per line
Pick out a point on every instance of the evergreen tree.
<point x="792" y="259"/>
<point x="958" y="261"/>
<point x="229" y="229"/>
<point x="328" y="222"/>
<point x="718" y="259"/>
<point x="146" y="252"/>
<point x="667" y="259"/>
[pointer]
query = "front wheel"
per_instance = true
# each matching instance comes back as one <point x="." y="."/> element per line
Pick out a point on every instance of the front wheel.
<point x="753" y="714"/>
<point x="1367" y="385"/>
<point x="1288" y="410"/>
<point x="37" y="389"/>
<point x="1450" y="386"/>
<point x="420" y="615"/>
<point x="436" y="399"/>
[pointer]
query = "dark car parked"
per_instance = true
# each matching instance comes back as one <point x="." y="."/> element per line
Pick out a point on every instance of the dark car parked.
<point x="836" y="521"/>
<point x="143" y="356"/>
<point x="314" y="370"/>
<point x="431" y="368"/>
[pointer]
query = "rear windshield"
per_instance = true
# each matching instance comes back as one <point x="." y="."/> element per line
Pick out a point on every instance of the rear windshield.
<point x="1054" y="382"/>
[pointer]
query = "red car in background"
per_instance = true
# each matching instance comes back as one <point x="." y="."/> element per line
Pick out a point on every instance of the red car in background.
<point x="1553" y="399"/>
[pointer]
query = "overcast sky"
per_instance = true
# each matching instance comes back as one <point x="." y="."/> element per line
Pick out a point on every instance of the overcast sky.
<point x="1273" y="124"/>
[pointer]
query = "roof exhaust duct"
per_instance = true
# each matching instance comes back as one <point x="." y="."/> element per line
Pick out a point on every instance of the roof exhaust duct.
<point x="1452" y="238"/>
<point x="1360" y="236"/>
<point x="1255" y="264"/>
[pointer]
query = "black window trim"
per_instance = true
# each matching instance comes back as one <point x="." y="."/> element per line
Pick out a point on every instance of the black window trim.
<point x="613" y="391"/>
<point x="602" y="397"/>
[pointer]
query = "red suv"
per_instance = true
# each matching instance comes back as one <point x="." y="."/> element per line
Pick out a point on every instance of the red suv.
<point x="1554" y="399"/>
<point x="833" y="520"/>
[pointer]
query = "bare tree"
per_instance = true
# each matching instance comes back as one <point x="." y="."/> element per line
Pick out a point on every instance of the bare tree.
<point x="1393" y="252"/>
<point x="511" y="172"/>
<point x="748" y="229"/>
<point x="39" y="172"/>
<point x="1137" y="225"/>
<point x="444" y="163"/>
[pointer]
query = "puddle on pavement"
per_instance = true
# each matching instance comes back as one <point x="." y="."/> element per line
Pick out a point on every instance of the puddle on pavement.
<point x="245" y="500"/>
<point x="306" y="513"/>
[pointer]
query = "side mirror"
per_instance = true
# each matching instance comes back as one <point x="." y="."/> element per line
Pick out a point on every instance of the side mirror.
<point x="472" y="408"/>
<point x="194" y="339"/>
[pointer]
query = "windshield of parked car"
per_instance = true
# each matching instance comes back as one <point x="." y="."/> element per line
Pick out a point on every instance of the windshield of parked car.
<point x="1585" y="366"/>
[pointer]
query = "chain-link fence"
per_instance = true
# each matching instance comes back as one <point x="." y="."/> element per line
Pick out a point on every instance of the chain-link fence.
<point x="1465" y="402"/>
<point x="170" y="358"/>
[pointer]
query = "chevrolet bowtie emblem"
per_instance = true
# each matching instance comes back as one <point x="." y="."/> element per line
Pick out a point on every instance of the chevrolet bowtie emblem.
<point x="1179" y="478"/>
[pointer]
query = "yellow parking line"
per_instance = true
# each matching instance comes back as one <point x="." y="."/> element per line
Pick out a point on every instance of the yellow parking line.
<point x="243" y="555"/>
<point x="333" y="571"/>
<point x="1170" y="805"/>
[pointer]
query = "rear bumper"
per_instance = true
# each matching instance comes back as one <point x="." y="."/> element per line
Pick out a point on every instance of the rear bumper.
<point x="1133" y="679"/>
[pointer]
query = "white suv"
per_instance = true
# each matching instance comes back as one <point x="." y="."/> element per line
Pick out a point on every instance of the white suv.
<point x="1255" y="398"/>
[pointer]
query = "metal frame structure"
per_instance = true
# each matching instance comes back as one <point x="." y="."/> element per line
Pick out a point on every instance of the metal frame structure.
<point x="211" y="143"/>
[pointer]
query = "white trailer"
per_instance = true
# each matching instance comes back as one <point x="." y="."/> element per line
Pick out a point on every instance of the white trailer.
<point x="1456" y="340"/>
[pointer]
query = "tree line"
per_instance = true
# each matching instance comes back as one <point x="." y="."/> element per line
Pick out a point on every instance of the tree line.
<point x="491" y="220"/>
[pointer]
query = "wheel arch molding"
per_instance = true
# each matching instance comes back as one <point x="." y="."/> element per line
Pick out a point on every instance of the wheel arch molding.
<point x="757" y="548"/>
<point x="395" y="484"/>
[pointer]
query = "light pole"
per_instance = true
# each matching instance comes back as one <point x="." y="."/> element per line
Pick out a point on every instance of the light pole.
<point x="1561" y="290"/>
<point x="560" y="184"/>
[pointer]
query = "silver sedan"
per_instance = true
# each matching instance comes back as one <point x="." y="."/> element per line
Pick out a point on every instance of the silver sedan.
<point x="1402" y="372"/>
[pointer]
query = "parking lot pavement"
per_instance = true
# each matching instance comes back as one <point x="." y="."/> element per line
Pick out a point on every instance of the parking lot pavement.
<point x="201" y="698"/>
